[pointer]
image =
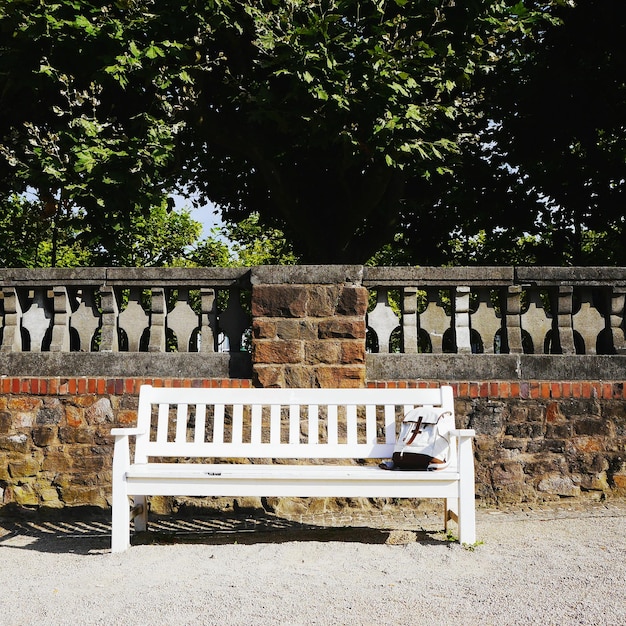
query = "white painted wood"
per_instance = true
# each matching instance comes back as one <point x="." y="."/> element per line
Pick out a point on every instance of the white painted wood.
<point x="248" y="435"/>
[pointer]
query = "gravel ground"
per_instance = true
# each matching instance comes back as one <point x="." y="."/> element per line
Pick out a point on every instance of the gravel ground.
<point x="560" y="565"/>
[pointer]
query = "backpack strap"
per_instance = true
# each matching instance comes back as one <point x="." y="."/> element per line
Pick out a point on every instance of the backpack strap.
<point x="416" y="429"/>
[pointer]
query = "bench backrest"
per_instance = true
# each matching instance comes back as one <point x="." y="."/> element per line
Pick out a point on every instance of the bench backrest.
<point x="276" y="423"/>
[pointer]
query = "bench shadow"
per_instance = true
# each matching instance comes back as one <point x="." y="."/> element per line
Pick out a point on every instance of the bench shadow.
<point x="93" y="536"/>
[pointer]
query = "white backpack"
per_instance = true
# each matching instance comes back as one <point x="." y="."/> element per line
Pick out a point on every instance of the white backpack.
<point x="424" y="440"/>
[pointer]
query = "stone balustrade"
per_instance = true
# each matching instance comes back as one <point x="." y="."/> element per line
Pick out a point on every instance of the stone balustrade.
<point x="501" y="310"/>
<point x="305" y="325"/>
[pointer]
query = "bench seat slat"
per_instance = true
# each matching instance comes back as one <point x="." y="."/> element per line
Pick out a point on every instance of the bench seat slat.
<point x="294" y="481"/>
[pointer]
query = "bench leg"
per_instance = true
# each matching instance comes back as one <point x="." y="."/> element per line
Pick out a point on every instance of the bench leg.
<point x="467" y="498"/>
<point x="140" y="510"/>
<point x="120" y="522"/>
<point x="450" y="512"/>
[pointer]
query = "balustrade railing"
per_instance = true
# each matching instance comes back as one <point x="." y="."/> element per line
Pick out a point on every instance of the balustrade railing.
<point x="495" y="310"/>
<point x="124" y="309"/>
<point x="531" y="310"/>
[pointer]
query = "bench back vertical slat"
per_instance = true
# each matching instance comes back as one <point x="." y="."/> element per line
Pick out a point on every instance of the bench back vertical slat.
<point x="256" y="428"/>
<point x="390" y="425"/>
<point x="275" y="424"/>
<point x="237" y="430"/>
<point x="370" y="424"/>
<point x="218" y="423"/>
<point x="313" y="423"/>
<point x="181" y="423"/>
<point x="351" y="425"/>
<point x="332" y="425"/>
<point x="294" y="423"/>
<point x="200" y="424"/>
<point x="162" y="423"/>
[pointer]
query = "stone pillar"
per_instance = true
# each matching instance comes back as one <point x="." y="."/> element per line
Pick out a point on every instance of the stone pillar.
<point x="308" y="326"/>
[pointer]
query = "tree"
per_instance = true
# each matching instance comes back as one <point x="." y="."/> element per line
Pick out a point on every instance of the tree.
<point x="55" y="236"/>
<point x="330" y="118"/>
<point x="546" y="184"/>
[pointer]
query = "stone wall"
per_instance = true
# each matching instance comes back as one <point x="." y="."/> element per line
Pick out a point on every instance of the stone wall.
<point x="549" y="426"/>
<point x="536" y="441"/>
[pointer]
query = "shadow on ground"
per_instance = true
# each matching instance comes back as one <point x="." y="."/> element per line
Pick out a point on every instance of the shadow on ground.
<point x="86" y="536"/>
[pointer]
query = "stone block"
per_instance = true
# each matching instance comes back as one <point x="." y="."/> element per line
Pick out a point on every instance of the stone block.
<point x="263" y="328"/>
<point x="353" y="301"/>
<point x="593" y="427"/>
<point x="57" y="461"/>
<point x="298" y="376"/>
<point x="294" y="329"/>
<point x="5" y="422"/>
<point x="352" y="351"/>
<point x="279" y="301"/>
<point x="553" y="414"/>
<point x="73" y="416"/>
<point x="15" y="443"/>
<point x="77" y="495"/>
<point x="559" y="485"/>
<point x="323" y="300"/>
<point x="71" y="435"/>
<point x="100" y="412"/>
<point x="49" y="496"/>
<point x="23" y="495"/>
<point x="21" y="404"/>
<point x="328" y="351"/>
<point x="587" y="444"/>
<point x="269" y="376"/>
<point x="126" y="417"/>
<point x="44" y="436"/>
<point x="337" y="328"/>
<point x="279" y="352"/>
<point x="341" y="376"/>
<point x="52" y="412"/>
<point x="24" y="467"/>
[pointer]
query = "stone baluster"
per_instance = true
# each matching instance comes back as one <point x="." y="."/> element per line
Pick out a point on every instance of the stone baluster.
<point x="485" y="320"/>
<point x="208" y="320"/>
<point x="382" y="320"/>
<point x="461" y="308"/>
<point x="233" y="320"/>
<point x="86" y="318"/>
<point x="536" y="321"/>
<point x="588" y="321"/>
<point x="616" y="320"/>
<point x="564" y="308"/>
<point x="182" y="320"/>
<point x="410" y="341"/>
<point x="133" y="320"/>
<point x="158" y="314"/>
<point x="60" y="341"/>
<point x="36" y="320"/>
<point x="12" y="337"/>
<point x="513" y="309"/>
<point x="435" y="320"/>
<point x="110" y="313"/>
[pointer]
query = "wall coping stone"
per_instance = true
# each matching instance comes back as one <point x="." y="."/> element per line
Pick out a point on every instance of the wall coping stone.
<point x="128" y="364"/>
<point x="495" y="367"/>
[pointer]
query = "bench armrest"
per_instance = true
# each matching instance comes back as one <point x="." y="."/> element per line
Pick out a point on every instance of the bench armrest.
<point x="463" y="432"/>
<point x="126" y="432"/>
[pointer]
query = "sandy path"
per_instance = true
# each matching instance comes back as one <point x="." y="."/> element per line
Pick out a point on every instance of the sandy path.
<point x="551" y="566"/>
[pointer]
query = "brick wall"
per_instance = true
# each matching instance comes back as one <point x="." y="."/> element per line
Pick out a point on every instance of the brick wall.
<point x="536" y="441"/>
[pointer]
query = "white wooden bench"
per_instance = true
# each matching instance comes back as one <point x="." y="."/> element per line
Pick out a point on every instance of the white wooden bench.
<point x="222" y="442"/>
